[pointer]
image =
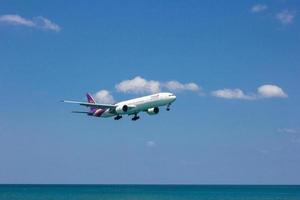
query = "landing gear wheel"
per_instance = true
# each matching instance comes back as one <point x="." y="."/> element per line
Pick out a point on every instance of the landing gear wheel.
<point x="168" y="107"/>
<point x="118" y="117"/>
<point x="135" y="117"/>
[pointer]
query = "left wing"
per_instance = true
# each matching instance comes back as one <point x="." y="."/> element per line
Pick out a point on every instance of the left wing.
<point x="91" y="105"/>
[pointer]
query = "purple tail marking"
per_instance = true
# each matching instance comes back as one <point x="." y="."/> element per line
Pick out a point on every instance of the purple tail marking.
<point x="99" y="112"/>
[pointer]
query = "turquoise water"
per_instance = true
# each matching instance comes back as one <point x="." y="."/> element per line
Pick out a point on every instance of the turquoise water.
<point x="141" y="192"/>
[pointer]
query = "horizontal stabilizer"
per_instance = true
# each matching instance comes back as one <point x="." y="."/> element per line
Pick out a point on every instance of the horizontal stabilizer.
<point x="81" y="112"/>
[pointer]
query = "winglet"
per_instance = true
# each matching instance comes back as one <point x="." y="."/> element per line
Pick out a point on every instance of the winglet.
<point x="90" y="99"/>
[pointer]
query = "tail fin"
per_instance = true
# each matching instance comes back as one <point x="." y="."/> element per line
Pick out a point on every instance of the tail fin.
<point x="90" y="99"/>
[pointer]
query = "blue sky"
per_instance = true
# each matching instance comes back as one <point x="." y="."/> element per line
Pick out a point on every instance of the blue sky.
<point x="237" y="124"/>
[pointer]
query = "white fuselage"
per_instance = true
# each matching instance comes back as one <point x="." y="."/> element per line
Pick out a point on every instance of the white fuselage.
<point x="143" y="103"/>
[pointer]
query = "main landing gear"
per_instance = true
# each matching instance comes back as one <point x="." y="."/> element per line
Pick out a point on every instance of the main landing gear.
<point x="136" y="117"/>
<point x="118" y="117"/>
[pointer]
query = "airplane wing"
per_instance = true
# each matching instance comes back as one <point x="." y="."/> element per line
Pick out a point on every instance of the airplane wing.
<point x="91" y="105"/>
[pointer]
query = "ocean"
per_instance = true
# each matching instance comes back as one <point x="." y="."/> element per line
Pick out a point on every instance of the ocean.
<point x="149" y="192"/>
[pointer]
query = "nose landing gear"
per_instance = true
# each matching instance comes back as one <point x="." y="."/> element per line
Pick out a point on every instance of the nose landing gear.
<point x="168" y="107"/>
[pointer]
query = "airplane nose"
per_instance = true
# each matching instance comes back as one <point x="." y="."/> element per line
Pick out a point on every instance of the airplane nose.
<point x="173" y="98"/>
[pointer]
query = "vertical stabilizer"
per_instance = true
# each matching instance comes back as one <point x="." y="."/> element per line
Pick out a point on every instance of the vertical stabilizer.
<point x="90" y="99"/>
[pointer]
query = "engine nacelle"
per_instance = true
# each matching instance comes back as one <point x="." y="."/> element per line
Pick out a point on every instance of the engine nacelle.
<point x="153" y="111"/>
<point x="121" y="109"/>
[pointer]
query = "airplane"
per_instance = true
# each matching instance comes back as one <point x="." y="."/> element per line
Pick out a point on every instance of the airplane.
<point x="149" y="104"/>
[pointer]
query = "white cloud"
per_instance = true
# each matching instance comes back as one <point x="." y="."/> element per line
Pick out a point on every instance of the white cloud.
<point x="46" y="24"/>
<point x="150" y="143"/>
<point x="175" y="85"/>
<point x="103" y="96"/>
<point x="16" y="20"/>
<point x="268" y="91"/>
<point x="258" y="8"/>
<point x="264" y="151"/>
<point x="37" y="22"/>
<point x="232" y="94"/>
<point x="139" y="85"/>
<point x="286" y="17"/>
<point x="264" y="91"/>
<point x="287" y="130"/>
<point x="291" y="132"/>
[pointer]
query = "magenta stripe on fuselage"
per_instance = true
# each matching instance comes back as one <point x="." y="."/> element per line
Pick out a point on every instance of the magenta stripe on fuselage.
<point x="99" y="112"/>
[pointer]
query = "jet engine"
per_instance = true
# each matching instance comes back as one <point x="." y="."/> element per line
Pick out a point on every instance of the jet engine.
<point x="121" y="109"/>
<point x="153" y="111"/>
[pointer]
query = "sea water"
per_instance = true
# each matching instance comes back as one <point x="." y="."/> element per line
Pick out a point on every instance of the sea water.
<point x="147" y="192"/>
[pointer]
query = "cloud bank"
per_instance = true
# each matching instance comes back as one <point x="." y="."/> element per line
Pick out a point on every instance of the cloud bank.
<point x="36" y="22"/>
<point x="264" y="91"/>
<point x="139" y="85"/>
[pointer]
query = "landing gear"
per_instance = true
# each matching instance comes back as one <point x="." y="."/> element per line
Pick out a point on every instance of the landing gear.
<point x="135" y="117"/>
<point x="168" y="107"/>
<point x="118" y="117"/>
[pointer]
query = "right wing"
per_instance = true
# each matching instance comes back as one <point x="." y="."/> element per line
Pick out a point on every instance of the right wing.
<point x="92" y="105"/>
